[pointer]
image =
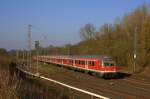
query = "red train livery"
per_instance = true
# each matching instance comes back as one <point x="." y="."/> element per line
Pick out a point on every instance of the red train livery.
<point x="103" y="65"/>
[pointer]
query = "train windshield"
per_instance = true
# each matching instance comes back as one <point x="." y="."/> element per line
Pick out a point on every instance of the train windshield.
<point x="108" y="63"/>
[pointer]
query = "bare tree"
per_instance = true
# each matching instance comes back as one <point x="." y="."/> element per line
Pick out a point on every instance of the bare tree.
<point x="87" y="32"/>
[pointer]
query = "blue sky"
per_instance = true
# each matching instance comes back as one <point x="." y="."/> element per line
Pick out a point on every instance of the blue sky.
<point x="56" y="22"/>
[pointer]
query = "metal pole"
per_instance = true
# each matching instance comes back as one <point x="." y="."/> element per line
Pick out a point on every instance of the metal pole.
<point x="23" y="60"/>
<point x="37" y="63"/>
<point x="17" y="55"/>
<point x="135" y="49"/>
<point x="37" y="52"/>
<point x="29" y="43"/>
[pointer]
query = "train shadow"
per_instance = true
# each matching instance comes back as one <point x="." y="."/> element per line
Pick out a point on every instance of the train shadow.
<point x="120" y="75"/>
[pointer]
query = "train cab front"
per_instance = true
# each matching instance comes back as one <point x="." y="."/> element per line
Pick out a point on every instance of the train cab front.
<point x="109" y="69"/>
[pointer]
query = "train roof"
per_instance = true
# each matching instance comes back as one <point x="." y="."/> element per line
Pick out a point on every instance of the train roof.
<point x="103" y="57"/>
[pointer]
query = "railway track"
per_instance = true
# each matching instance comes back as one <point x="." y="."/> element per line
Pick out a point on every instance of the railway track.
<point x="109" y="84"/>
<point x="127" y="88"/>
<point x="102" y="87"/>
<point x="139" y="83"/>
<point x="139" y="78"/>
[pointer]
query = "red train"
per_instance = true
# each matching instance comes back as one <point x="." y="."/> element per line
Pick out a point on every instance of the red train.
<point x="103" y="65"/>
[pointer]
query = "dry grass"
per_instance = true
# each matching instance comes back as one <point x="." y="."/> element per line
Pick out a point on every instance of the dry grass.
<point x="13" y="86"/>
<point x="8" y="85"/>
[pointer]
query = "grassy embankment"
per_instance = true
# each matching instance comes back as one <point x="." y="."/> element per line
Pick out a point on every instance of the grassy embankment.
<point x="63" y="75"/>
<point x="13" y="87"/>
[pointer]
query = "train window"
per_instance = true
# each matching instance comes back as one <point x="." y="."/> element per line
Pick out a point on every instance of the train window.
<point x="88" y="62"/>
<point x="83" y="62"/>
<point x="106" y="64"/>
<point x="70" y="61"/>
<point x="77" y="62"/>
<point x="109" y="64"/>
<point x="80" y="62"/>
<point x="91" y="63"/>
